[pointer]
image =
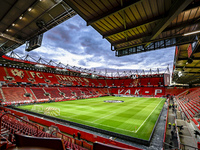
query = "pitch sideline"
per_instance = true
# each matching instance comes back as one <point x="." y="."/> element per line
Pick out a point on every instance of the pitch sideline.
<point x="147" y="118"/>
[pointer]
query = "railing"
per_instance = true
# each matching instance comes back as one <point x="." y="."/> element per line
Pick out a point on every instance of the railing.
<point x="72" y="140"/>
<point x="186" y="147"/>
<point x="169" y="146"/>
<point x="166" y="123"/>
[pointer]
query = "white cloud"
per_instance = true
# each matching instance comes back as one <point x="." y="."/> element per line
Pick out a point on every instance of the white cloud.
<point x="76" y="44"/>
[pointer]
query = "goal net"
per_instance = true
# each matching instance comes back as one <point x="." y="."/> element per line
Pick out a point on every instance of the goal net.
<point x="52" y="111"/>
<point x="37" y="108"/>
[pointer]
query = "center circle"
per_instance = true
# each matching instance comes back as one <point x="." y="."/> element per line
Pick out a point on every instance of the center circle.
<point x="113" y="101"/>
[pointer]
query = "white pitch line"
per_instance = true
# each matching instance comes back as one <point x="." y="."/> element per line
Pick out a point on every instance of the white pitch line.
<point x="99" y="124"/>
<point x="103" y="117"/>
<point x="192" y="126"/>
<point x="147" y="118"/>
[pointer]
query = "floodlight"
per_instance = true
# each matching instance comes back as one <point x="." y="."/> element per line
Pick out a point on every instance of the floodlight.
<point x="198" y="31"/>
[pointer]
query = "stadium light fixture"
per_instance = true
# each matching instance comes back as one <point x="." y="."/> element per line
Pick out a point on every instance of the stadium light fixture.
<point x="21" y="17"/>
<point x="190" y="33"/>
<point x="13" y="24"/>
<point x="189" y="61"/>
<point x="40" y="66"/>
<point x="84" y="73"/>
<point x="180" y="74"/>
<point x="7" y="29"/>
<point x="30" y="9"/>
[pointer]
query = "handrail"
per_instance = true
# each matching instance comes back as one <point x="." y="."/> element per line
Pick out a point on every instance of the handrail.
<point x="188" y="146"/>
<point x="70" y="138"/>
<point x="181" y="145"/>
<point x="170" y="145"/>
<point x="61" y="134"/>
<point x="166" y="123"/>
<point x="18" y="118"/>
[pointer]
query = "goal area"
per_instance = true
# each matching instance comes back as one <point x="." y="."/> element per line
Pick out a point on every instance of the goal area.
<point x="37" y="108"/>
<point x="52" y="111"/>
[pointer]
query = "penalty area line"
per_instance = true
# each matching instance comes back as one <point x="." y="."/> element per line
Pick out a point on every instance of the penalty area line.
<point x="146" y="118"/>
<point x="103" y="117"/>
<point x="98" y="124"/>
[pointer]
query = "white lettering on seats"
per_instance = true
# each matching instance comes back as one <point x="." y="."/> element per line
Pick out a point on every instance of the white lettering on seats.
<point x="32" y="74"/>
<point x="119" y="92"/>
<point x="137" y="92"/>
<point x="59" y="77"/>
<point x="158" y="91"/>
<point x="18" y="73"/>
<point x="64" y="78"/>
<point x="38" y="75"/>
<point x="128" y="92"/>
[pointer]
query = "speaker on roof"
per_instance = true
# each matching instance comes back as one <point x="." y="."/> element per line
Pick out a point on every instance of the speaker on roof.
<point x="34" y="43"/>
<point x="40" y="24"/>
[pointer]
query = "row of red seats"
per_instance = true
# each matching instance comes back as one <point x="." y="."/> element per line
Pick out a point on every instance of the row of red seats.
<point x="18" y="125"/>
<point x="196" y="123"/>
<point x="30" y="76"/>
<point x="14" y="94"/>
<point x="183" y="109"/>
<point x="145" y="91"/>
<point x="188" y="100"/>
<point x="18" y="94"/>
<point x="188" y="109"/>
<point x="174" y="91"/>
<point x="195" y="104"/>
<point x="191" y="94"/>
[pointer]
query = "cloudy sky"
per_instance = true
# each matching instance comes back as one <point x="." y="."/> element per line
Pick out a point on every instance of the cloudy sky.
<point x="76" y="44"/>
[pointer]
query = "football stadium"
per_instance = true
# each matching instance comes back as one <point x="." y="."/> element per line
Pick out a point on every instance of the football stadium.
<point x="66" y="100"/>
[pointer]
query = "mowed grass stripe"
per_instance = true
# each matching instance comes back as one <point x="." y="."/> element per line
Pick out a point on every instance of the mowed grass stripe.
<point x="148" y="117"/>
<point x="135" y="114"/>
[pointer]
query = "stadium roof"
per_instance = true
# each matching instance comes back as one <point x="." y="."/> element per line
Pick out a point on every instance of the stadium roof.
<point x="130" y="26"/>
<point x="140" y="25"/>
<point x="143" y="25"/>
<point x="187" y="64"/>
<point x="38" y="63"/>
<point x="22" y="20"/>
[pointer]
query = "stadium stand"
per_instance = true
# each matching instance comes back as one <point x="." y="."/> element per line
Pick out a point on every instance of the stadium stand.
<point x="40" y="86"/>
<point x="50" y="78"/>
<point x="93" y="82"/>
<point x="14" y="125"/>
<point x="39" y="93"/>
<point x="28" y="90"/>
<point x="66" y="91"/>
<point x="189" y="102"/>
<point x="31" y="141"/>
<point x="54" y="92"/>
<point x="110" y="82"/>
<point x="174" y="91"/>
<point x="129" y="83"/>
<point x="16" y="131"/>
<point x="102" y="82"/>
<point x="14" y="94"/>
<point x="3" y="74"/>
<point x="131" y="27"/>
<point x="18" y="74"/>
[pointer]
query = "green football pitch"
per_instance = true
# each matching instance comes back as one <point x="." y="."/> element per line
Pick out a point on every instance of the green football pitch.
<point x="135" y="117"/>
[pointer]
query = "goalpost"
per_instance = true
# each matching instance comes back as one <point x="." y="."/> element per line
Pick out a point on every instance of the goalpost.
<point x="52" y="111"/>
<point x="37" y="108"/>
